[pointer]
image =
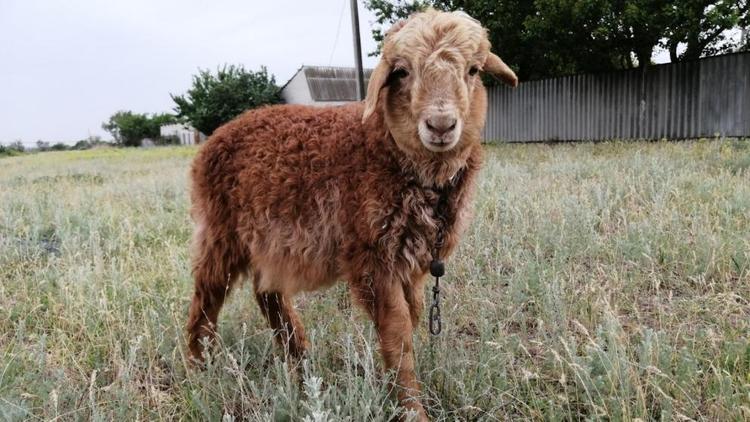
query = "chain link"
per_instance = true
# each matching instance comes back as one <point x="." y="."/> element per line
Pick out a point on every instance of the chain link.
<point x="436" y="325"/>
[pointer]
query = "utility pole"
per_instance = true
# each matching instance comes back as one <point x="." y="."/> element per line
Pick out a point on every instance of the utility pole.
<point x="357" y="52"/>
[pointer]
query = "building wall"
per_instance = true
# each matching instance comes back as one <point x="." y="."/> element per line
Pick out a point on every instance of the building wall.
<point x="703" y="98"/>
<point x="297" y="91"/>
<point x="187" y="134"/>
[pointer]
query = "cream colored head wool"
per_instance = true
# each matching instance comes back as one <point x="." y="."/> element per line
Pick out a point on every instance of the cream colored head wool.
<point x="429" y="86"/>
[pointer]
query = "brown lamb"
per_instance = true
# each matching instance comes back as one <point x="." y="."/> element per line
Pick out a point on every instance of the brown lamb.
<point x="299" y="197"/>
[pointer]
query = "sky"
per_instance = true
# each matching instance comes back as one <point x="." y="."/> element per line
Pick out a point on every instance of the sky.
<point x="66" y="66"/>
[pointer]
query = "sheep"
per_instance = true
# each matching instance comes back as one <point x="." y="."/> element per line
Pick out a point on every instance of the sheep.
<point x="300" y="197"/>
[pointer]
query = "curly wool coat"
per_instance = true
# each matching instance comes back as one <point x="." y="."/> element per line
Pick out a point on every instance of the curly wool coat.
<point x="302" y="197"/>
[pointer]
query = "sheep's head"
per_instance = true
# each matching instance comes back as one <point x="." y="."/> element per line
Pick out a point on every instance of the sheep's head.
<point x="428" y="83"/>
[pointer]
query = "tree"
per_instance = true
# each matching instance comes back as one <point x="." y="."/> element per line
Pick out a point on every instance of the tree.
<point x="82" y="144"/>
<point x="42" y="145"/>
<point x="701" y="26"/>
<point x="215" y="99"/>
<point x="571" y="36"/>
<point x="537" y="39"/>
<point x="130" y="128"/>
<point x="17" y="145"/>
<point x="545" y="38"/>
<point x="503" y="19"/>
<point x="745" y="39"/>
<point x="8" y="151"/>
<point x="599" y="35"/>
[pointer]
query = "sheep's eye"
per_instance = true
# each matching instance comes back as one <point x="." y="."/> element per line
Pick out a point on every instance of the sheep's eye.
<point x="397" y="74"/>
<point x="473" y="70"/>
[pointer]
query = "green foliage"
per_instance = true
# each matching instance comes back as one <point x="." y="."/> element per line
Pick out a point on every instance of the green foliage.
<point x="701" y="25"/>
<point x="10" y="150"/>
<point x="42" y="145"/>
<point x="90" y="142"/>
<point x="216" y="99"/>
<point x="82" y="144"/>
<point x="17" y="145"/>
<point x="545" y="38"/>
<point x="59" y="147"/>
<point x="130" y="128"/>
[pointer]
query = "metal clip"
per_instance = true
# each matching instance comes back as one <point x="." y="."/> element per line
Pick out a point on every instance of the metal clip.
<point x="436" y="325"/>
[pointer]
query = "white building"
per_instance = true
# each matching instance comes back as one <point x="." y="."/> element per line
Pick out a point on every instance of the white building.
<point x="187" y="134"/>
<point x="322" y="85"/>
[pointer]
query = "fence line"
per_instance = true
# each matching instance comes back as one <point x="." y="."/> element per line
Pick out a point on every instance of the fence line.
<point x="702" y="98"/>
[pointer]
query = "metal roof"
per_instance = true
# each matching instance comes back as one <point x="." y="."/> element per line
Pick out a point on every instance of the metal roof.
<point x="328" y="83"/>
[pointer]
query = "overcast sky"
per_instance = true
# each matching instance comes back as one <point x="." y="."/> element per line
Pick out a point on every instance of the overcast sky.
<point x="66" y="66"/>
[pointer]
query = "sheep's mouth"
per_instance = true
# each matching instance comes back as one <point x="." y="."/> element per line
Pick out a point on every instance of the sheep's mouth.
<point x="439" y="146"/>
<point x="439" y="143"/>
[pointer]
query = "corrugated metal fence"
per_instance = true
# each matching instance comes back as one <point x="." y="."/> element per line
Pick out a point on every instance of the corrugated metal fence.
<point x="703" y="98"/>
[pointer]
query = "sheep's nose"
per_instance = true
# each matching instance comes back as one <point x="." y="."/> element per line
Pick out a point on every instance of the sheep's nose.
<point x="441" y="124"/>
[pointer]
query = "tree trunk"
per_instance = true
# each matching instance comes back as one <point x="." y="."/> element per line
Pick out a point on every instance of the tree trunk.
<point x="644" y="57"/>
<point x="693" y="52"/>
<point x="673" y="57"/>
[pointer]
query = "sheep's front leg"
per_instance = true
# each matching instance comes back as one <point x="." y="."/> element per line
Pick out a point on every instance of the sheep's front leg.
<point x="394" y="324"/>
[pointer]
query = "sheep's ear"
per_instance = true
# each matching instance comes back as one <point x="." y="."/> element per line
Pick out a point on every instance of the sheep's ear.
<point x="378" y="78"/>
<point x="379" y="75"/>
<point x="497" y="67"/>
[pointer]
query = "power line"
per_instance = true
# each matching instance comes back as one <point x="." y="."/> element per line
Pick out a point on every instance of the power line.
<point x="338" y="31"/>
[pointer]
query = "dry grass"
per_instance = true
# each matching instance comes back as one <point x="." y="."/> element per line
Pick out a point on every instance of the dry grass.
<point x="598" y="281"/>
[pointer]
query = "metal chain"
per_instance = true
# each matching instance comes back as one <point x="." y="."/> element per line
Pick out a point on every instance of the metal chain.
<point x="437" y="268"/>
<point x="436" y="325"/>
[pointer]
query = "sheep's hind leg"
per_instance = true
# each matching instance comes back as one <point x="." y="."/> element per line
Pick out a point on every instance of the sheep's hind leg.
<point x="281" y="316"/>
<point x="215" y="270"/>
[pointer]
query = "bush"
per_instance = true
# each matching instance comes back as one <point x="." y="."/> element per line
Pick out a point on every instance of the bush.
<point x="42" y="145"/>
<point x="9" y="151"/>
<point x="89" y="143"/>
<point x="216" y="99"/>
<point x="17" y="146"/>
<point x="59" y="147"/>
<point x="82" y="144"/>
<point x="130" y="128"/>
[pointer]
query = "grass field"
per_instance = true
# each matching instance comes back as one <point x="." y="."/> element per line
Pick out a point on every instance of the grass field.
<point x="598" y="281"/>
